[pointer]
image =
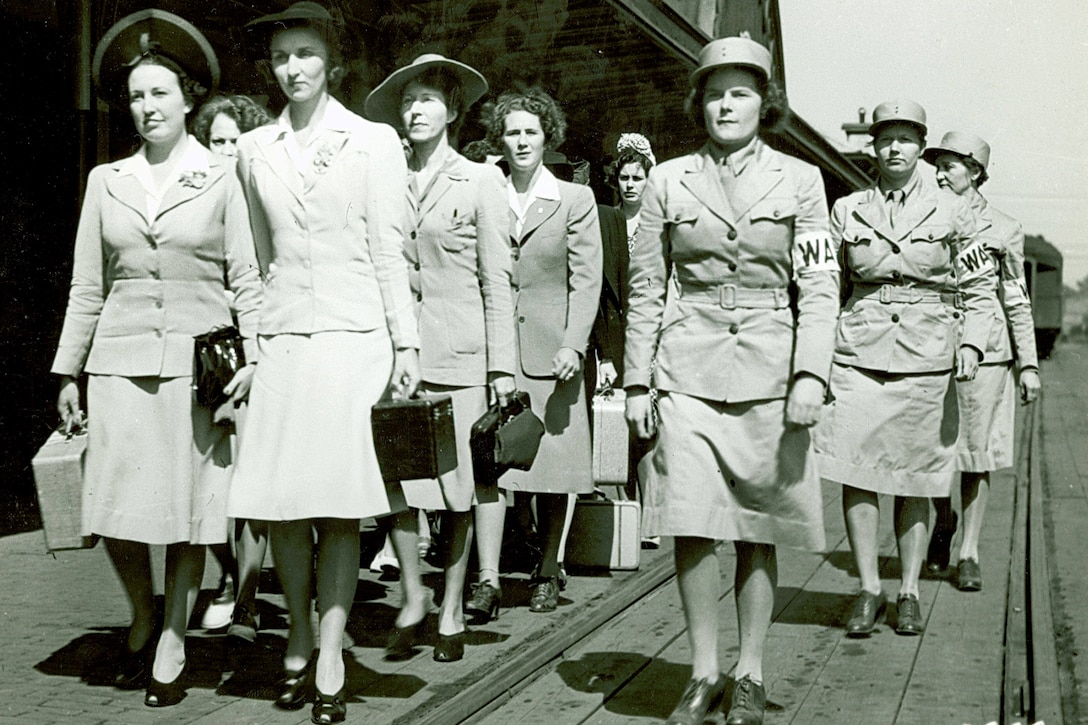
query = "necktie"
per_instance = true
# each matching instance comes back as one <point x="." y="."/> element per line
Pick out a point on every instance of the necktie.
<point x="895" y="201"/>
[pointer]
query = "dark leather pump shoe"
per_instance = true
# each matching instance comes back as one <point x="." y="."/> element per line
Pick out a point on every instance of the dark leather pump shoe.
<point x="749" y="702"/>
<point x="909" y="621"/>
<point x="450" y="647"/>
<point x="401" y="645"/>
<point x="296" y="688"/>
<point x="700" y="698"/>
<point x="484" y="603"/>
<point x="165" y="694"/>
<point x="940" y="546"/>
<point x="969" y="576"/>
<point x="867" y="609"/>
<point x="329" y="708"/>
<point x="135" y="668"/>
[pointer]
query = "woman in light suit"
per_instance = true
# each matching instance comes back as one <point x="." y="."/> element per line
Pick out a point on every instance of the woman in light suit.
<point x="555" y="245"/>
<point x="326" y="192"/>
<point x="741" y="362"/>
<point x="459" y="267"/>
<point x="157" y="233"/>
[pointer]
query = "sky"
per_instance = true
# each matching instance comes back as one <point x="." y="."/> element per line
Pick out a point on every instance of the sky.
<point x="1014" y="73"/>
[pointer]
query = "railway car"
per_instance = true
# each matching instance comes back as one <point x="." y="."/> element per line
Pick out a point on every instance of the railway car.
<point x="1043" y="269"/>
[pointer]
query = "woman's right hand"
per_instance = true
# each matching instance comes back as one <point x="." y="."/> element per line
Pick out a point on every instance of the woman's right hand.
<point x="68" y="404"/>
<point x="640" y="413"/>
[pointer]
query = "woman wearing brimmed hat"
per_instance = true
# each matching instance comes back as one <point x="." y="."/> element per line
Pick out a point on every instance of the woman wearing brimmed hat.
<point x="326" y="192"/>
<point x="459" y="268"/>
<point x="158" y="234"/>
<point x="740" y="376"/>
<point x="555" y="246"/>
<point x="986" y="403"/>
<point x="891" y="426"/>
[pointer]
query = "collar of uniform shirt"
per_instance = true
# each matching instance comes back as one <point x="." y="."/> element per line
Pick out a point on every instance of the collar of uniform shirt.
<point x="335" y="118"/>
<point x="907" y="189"/>
<point x="194" y="158"/>
<point x="737" y="161"/>
<point x="546" y="187"/>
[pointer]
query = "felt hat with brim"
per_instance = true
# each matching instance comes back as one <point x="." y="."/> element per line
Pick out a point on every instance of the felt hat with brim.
<point x="901" y="111"/>
<point x="965" y="145"/>
<point x="259" y="31"/>
<point x="725" y="52"/>
<point x="383" y="103"/>
<point x="148" y="33"/>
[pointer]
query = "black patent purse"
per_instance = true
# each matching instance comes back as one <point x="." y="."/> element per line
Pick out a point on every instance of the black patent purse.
<point x="505" y="437"/>
<point x="217" y="356"/>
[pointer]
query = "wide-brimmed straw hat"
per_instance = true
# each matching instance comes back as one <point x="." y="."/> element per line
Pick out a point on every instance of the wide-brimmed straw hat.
<point x="383" y="103"/>
<point x="147" y="33"/>
<point x="964" y="145"/>
<point x="901" y="111"/>
<point x="725" y="52"/>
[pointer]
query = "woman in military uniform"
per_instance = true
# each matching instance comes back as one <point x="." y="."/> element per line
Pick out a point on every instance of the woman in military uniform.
<point x="741" y="373"/>
<point x="986" y="403"/>
<point x="892" y="423"/>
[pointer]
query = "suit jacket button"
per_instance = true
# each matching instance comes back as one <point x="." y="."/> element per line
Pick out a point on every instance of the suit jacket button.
<point x="732" y="234"/>
<point x="676" y="218"/>
<point x="732" y="266"/>
<point x="734" y="328"/>
<point x="417" y="266"/>
<point x="419" y="298"/>
<point x="412" y="235"/>
<point x="895" y="318"/>
<point x="521" y="319"/>
<point x="895" y="275"/>
<point x="955" y="315"/>
<point x="895" y="249"/>
<point x="517" y="254"/>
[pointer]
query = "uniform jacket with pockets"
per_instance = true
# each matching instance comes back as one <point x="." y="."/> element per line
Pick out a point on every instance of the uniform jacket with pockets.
<point x="142" y="288"/>
<point x="459" y="268"/>
<point x="330" y="240"/>
<point x="556" y="276"/>
<point x="922" y="254"/>
<point x="709" y="342"/>
<point x="1003" y="237"/>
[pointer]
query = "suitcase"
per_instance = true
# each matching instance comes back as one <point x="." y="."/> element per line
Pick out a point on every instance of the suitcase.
<point x="58" y="476"/>
<point x="610" y="438"/>
<point x="414" y="438"/>
<point x="604" y="534"/>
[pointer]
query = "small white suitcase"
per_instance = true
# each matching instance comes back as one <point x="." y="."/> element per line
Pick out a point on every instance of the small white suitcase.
<point x="58" y="476"/>
<point x="610" y="438"/>
<point x="604" y="534"/>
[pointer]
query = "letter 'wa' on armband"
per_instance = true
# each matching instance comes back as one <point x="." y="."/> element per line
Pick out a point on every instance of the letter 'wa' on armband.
<point x="812" y="252"/>
<point x="1015" y="292"/>
<point x="974" y="261"/>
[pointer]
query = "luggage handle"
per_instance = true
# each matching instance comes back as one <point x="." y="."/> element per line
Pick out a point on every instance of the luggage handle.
<point x="79" y="428"/>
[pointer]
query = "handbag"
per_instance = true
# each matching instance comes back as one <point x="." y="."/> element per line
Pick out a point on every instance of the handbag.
<point x="505" y="437"/>
<point x="414" y="438"/>
<point x="217" y="356"/>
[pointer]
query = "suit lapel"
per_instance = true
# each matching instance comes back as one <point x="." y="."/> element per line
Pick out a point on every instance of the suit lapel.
<point x="328" y="150"/>
<point x="615" y="238"/>
<point x="540" y="210"/>
<point x="189" y="186"/>
<point x="276" y="156"/>
<point x="701" y="179"/>
<point x="443" y="182"/>
<point x="128" y="190"/>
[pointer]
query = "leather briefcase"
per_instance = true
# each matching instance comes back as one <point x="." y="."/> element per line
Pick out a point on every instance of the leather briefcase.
<point x="58" y="476"/>
<point x="414" y="438"/>
<point x="605" y="534"/>
<point x="504" y="438"/>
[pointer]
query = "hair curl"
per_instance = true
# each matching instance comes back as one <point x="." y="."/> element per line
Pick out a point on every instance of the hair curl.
<point x="627" y="156"/>
<point x="773" y="107"/>
<point x="243" y="110"/>
<point x="532" y="100"/>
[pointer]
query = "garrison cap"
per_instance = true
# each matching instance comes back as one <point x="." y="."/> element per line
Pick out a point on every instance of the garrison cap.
<point x="962" y="144"/>
<point x="725" y="52"/>
<point x="901" y="111"/>
<point x="148" y="33"/>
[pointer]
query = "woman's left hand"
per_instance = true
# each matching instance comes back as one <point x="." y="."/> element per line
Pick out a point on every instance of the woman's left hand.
<point x="967" y="363"/>
<point x="239" y="385"/>
<point x="566" y="364"/>
<point x="502" y="385"/>
<point x="805" y="401"/>
<point x="406" y="373"/>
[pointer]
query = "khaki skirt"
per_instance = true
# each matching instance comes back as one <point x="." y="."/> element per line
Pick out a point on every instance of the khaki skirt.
<point x="456" y="490"/>
<point x="157" y="469"/>
<point x="987" y="414"/>
<point x="890" y="433"/>
<point x="307" y="450"/>
<point x="732" y="472"/>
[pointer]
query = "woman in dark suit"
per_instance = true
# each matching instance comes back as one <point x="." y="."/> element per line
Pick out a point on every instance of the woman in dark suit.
<point x="459" y="268"/>
<point x="740" y="376"/>
<point x="158" y="234"/>
<point x="555" y="245"/>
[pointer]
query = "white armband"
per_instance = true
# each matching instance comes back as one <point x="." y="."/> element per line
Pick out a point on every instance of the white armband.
<point x="1015" y="292"/>
<point x="812" y="252"/>
<point x="974" y="261"/>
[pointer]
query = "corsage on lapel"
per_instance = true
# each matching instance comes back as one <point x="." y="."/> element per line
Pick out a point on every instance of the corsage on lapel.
<point x="194" y="178"/>
<point x="324" y="157"/>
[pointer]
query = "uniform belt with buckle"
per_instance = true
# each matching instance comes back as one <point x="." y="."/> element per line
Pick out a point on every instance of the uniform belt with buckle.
<point x="888" y="293"/>
<point x="730" y="297"/>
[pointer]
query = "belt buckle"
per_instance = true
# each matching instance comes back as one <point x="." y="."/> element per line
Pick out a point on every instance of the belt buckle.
<point x="885" y="294"/>
<point x="727" y="296"/>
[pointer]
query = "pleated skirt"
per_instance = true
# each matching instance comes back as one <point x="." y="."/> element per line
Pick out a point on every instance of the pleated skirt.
<point x="987" y="415"/>
<point x="732" y="472"/>
<point x="564" y="463"/>
<point x="307" y="450"/>
<point x="456" y="490"/>
<point x="890" y="433"/>
<point x="157" y="470"/>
